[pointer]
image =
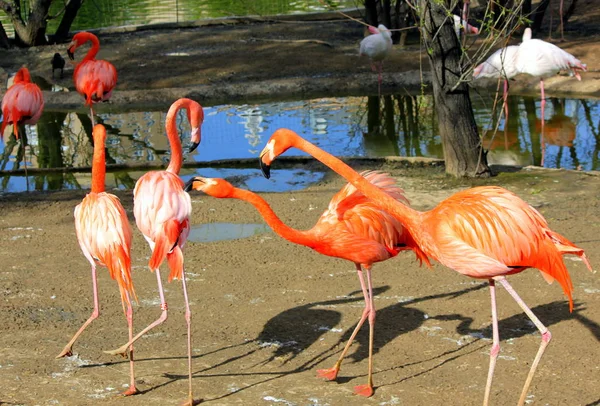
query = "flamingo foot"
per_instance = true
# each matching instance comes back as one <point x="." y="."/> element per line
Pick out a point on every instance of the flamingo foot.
<point x="122" y="351"/>
<point x="330" y="374"/>
<point x="364" y="390"/>
<point x="191" y="402"/>
<point x="66" y="352"/>
<point x="130" y="392"/>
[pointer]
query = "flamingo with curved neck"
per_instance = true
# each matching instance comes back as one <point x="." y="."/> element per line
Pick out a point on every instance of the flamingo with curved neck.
<point x="162" y="210"/>
<point x="94" y="79"/>
<point x="484" y="232"/>
<point x="104" y="235"/>
<point x="352" y="228"/>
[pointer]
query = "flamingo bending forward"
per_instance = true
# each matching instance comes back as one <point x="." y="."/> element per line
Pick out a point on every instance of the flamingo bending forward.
<point x="485" y="232"/>
<point x="104" y="235"/>
<point x="377" y="47"/>
<point x="22" y="103"/>
<point x="94" y="79"/>
<point x="352" y="228"/>
<point x="162" y="210"/>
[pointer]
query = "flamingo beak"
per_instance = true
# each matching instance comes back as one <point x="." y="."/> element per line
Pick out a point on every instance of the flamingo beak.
<point x="195" y="138"/>
<point x="266" y="169"/>
<point x="190" y="183"/>
<point x="71" y="53"/>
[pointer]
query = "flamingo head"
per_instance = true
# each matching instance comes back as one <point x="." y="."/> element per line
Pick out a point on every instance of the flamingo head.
<point x="281" y="140"/>
<point x="195" y="115"/>
<point x="477" y="70"/>
<point x="22" y="76"/>
<point x="214" y="187"/>
<point x="77" y="40"/>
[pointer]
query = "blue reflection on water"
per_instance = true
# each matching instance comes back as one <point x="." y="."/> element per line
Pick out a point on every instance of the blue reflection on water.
<point x="351" y="126"/>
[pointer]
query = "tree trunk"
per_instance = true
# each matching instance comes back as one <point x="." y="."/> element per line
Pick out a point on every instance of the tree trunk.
<point x="4" y="42"/>
<point x="463" y="151"/>
<point x="32" y="32"/>
<point x="62" y="32"/>
<point x="537" y="16"/>
<point x="371" y="12"/>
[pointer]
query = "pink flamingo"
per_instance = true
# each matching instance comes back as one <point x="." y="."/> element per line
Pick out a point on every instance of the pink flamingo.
<point x="104" y="235"/>
<point x="485" y="232"/>
<point x="162" y="210"/>
<point x="542" y="59"/>
<point x="22" y="103"/>
<point x="377" y="47"/>
<point x="352" y="228"/>
<point x="462" y="23"/>
<point x="94" y="79"/>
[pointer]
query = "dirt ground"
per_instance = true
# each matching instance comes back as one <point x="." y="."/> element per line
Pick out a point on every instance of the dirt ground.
<point x="266" y="313"/>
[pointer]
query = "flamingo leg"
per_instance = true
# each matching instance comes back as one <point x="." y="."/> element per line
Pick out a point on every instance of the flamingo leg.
<point x="495" y="344"/>
<point x="129" y="315"/>
<point x="188" y="319"/>
<point x="92" y="116"/>
<point x="367" y="390"/>
<point x="546" y="336"/>
<point x="68" y="350"/>
<point x="163" y="305"/>
<point x="379" y="77"/>
<point x="562" y="34"/>
<point x="542" y="106"/>
<point x="331" y="373"/>
<point x="505" y="101"/>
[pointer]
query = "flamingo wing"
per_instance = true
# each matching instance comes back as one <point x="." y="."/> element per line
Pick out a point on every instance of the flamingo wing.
<point x="541" y="58"/>
<point x="104" y="235"/>
<point x="489" y="231"/>
<point x="162" y="210"/>
<point x="95" y="79"/>
<point x="23" y="102"/>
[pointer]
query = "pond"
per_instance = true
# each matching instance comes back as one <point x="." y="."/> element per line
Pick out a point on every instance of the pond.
<point x="367" y="126"/>
<point x="109" y="13"/>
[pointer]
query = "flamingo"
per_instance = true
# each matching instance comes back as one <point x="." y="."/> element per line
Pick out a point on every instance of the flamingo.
<point x="485" y="232"/>
<point x="94" y="79"/>
<point x="22" y="103"/>
<point x="501" y="64"/>
<point x="104" y="235"/>
<point x="542" y="59"/>
<point x="162" y="210"/>
<point x="377" y="47"/>
<point x="352" y="228"/>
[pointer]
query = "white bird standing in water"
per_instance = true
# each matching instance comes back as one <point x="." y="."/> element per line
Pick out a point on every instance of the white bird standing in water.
<point x="377" y="47"/>
<point x="534" y="57"/>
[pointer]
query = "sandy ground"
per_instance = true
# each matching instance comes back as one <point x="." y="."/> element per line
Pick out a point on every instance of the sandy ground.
<point x="266" y="313"/>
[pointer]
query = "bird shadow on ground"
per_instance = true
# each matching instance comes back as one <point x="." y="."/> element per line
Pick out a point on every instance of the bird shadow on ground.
<point x="519" y="325"/>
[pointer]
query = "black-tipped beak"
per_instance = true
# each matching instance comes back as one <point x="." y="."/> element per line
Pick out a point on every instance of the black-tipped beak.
<point x="266" y="169"/>
<point x="194" y="146"/>
<point x="189" y="185"/>
<point x="71" y="54"/>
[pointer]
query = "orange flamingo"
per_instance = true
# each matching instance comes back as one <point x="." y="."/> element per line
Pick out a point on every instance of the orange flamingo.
<point x="104" y="235"/>
<point x="485" y="232"/>
<point x="23" y="102"/>
<point x="352" y="228"/>
<point x="94" y="79"/>
<point x="162" y="210"/>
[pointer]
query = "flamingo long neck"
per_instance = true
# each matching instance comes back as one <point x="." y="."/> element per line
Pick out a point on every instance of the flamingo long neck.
<point x="98" y="166"/>
<point x="283" y="230"/>
<point x="174" y="141"/>
<point x="410" y="218"/>
<point x="94" y="49"/>
<point x="22" y="76"/>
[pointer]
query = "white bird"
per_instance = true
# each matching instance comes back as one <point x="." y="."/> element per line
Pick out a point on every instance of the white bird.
<point x="377" y="47"/>
<point x="461" y="23"/>
<point x="534" y="57"/>
<point x="501" y="64"/>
